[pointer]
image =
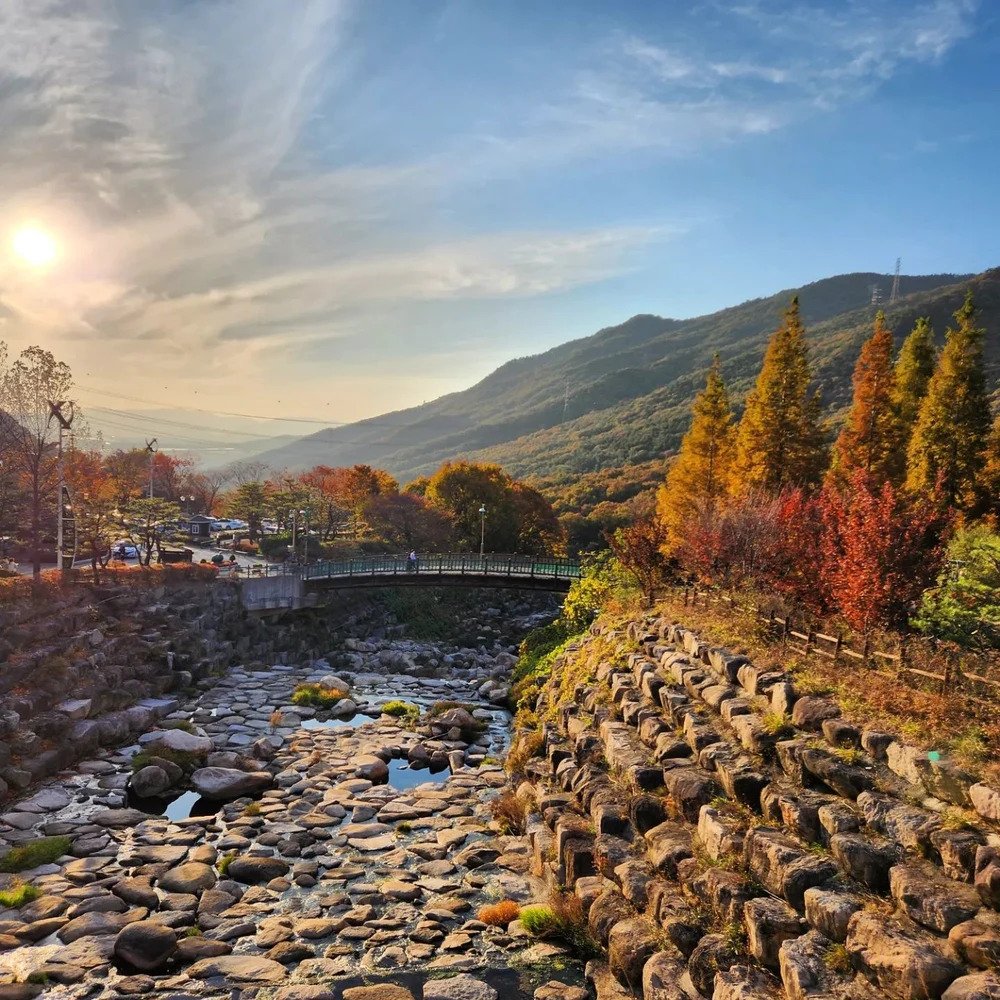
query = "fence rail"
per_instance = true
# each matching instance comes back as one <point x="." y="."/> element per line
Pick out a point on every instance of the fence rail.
<point x="801" y="638"/>
<point x="449" y="564"/>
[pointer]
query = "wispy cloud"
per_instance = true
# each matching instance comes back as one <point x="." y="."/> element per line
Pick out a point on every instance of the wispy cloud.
<point x="171" y="147"/>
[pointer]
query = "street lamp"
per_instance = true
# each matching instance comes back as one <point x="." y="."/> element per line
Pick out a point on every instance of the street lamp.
<point x="185" y="501"/>
<point x="482" y="529"/>
<point x="305" y="542"/>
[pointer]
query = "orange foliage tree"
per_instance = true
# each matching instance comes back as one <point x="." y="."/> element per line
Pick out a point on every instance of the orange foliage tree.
<point x="880" y="549"/>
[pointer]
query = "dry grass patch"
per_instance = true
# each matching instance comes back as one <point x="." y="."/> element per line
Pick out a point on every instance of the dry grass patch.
<point x="499" y="914"/>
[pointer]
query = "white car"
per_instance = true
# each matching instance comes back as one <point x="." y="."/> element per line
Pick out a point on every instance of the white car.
<point x="124" y="549"/>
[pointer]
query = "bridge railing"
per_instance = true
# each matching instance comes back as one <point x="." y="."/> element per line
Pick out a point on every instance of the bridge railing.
<point x="446" y="564"/>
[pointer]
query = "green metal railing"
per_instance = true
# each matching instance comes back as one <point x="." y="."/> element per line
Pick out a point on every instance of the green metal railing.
<point x="444" y="565"/>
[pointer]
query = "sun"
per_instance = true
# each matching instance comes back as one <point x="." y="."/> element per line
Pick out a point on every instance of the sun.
<point x="34" y="246"/>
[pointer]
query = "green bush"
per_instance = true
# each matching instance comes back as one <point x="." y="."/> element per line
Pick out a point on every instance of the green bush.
<point x="538" y="919"/>
<point x="39" y="852"/>
<point x="18" y="894"/>
<point x="400" y="709"/>
<point x="964" y="607"/>
<point x="222" y="865"/>
<point x="317" y="696"/>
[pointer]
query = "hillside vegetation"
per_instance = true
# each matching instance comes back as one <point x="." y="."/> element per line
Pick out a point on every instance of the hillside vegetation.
<point x="630" y="386"/>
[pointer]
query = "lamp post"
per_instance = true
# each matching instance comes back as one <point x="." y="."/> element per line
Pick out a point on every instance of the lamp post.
<point x="305" y="543"/>
<point x="65" y="422"/>
<point x="482" y="529"/>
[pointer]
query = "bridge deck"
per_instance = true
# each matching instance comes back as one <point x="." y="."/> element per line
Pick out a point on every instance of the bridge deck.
<point x="288" y="587"/>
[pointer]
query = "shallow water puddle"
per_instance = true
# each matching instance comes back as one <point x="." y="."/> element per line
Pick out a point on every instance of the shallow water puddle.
<point x="402" y="775"/>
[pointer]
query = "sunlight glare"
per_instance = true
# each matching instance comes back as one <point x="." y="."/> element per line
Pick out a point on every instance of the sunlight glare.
<point x="34" y="246"/>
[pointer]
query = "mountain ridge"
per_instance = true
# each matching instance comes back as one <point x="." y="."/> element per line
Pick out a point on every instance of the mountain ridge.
<point x="631" y="384"/>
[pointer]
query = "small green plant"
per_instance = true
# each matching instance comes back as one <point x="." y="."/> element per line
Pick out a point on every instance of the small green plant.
<point x="225" y="861"/>
<point x="538" y="919"/>
<point x="18" y="894"/>
<point x="37" y="978"/>
<point x="775" y="723"/>
<point x="837" y="959"/>
<point x="524" y="748"/>
<point x="399" y="709"/>
<point x="253" y="809"/>
<point x="317" y="696"/>
<point x="956" y="818"/>
<point x="735" y="935"/>
<point x="849" y="755"/>
<point x="404" y="827"/>
<point x="39" y="852"/>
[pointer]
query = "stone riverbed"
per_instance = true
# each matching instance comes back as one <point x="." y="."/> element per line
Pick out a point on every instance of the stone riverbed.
<point x="344" y="860"/>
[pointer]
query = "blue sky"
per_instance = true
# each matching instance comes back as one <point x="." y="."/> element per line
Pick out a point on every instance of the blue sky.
<point x="334" y="209"/>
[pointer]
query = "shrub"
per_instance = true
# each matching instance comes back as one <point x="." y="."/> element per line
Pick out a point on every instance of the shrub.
<point x="404" y="827"/>
<point x="837" y="958"/>
<point x="510" y="812"/>
<point x="562" y="918"/>
<point x="252" y="810"/>
<point x="317" y="696"/>
<point x="225" y="861"/>
<point x="39" y="852"/>
<point x="499" y="914"/>
<point x="538" y="919"/>
<point x="401" y="709"/>
<point x="18" y="894"/>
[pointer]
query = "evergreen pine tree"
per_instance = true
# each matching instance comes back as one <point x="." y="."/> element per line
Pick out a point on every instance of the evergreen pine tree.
<point x="949" y="439"/>
<point x="779" y="442"/>
<point x="914" y="368"/>
<point x="700" y="472"/>
<point x="871" y="439"/>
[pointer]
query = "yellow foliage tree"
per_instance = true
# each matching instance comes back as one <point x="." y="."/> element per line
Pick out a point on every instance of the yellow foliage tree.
<point x="699" y="475"/>
<point x="779" y="442"/>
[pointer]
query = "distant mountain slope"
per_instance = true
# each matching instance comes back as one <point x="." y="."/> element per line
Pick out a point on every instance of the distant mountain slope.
<point x="621" y="395"/>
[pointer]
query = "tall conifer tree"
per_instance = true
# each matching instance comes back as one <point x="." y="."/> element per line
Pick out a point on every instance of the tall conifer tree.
<point x="953" y="425"/>
<point x="871" y="439"/>
<point x="700" y="473"/>
<point x="779" y="442"/>
<point x="914" y="368"/>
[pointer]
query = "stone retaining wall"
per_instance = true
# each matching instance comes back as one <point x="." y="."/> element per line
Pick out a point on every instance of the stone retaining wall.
<point x="730" y="839"/>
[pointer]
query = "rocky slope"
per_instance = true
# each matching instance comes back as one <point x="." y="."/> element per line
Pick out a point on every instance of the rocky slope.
<point x="733" y="840"/>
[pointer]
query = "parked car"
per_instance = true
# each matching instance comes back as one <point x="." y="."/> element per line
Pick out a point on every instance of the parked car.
<point x="124" y="549"/>
<point x="219" y="525"/>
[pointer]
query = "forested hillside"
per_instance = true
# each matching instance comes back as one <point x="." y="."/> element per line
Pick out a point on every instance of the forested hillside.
<point x="621" y="396"/>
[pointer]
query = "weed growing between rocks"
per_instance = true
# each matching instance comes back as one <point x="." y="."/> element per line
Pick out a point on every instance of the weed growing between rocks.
<point x="510" y="812"/>
<point x="837" y="959"/>
<point x="317" y="696"/>
<point x="18" y="894"/>
<point x="499" y="914"/>
<point x="563" y="919"/>
<point x="222" y="865"/>
<point x="399" y="709"/>
<point x="182" y="724"/>
<point x="39" y="852"/>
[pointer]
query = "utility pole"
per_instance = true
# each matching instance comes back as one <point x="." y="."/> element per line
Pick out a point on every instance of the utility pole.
<point x="151" y="448"/>
<point x="65" y="422"/>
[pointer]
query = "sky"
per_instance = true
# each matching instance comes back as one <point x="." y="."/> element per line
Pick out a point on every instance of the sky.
<point x="330" y="209"/>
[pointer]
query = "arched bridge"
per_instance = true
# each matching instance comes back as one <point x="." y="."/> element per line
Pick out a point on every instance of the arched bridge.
<point x="272" y="588"/>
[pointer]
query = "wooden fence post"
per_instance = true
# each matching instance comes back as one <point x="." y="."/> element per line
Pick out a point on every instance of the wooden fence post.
<point x="901" y="653"/>
<point x="810" y="642"/>
<point x="865" y="650"/>
<point x="838" y="646"/>
<point x="946" y="679"/>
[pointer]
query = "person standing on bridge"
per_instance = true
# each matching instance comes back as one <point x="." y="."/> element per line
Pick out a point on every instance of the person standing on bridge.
<point x="411" y="562"/>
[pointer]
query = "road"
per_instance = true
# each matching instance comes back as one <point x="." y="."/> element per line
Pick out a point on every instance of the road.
<point x="200" y="552"/>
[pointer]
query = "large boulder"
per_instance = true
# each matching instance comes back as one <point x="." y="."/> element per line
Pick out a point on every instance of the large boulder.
<point x="178" y="739"/>
<point x="150" y="781"/>
<point x="146" y="945"/>
<point x="229" y="783"/>
<point x="188" y="878"/>
<point x="255" y="870"/>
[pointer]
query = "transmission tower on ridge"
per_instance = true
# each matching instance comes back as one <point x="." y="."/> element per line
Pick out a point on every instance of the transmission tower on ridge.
<point x="894" y="294"/>
<point x="876" y="295"/>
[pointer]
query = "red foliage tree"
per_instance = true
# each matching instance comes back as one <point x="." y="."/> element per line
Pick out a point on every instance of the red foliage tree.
<point x="880" y="551"/>
<point x="637" y="546"/>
